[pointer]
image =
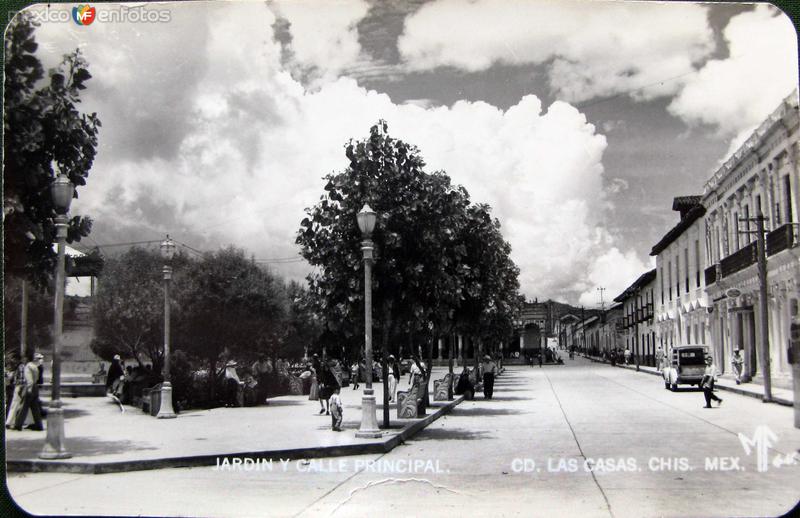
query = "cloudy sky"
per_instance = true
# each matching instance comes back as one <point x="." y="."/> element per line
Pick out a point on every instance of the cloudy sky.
<point x="577" y="121"/>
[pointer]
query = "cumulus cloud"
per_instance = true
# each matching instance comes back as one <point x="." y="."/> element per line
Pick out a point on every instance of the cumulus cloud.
<point x="736" y="93"/>
<point x="254" y="144"/>
<point x="614" y="270"/>
<point x="593" y="49"/>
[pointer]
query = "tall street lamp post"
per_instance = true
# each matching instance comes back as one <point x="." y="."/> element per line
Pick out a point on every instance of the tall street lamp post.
<point x="165" y="410"/>
<point x="369" y="423"/>
<point x="61" y="191"/>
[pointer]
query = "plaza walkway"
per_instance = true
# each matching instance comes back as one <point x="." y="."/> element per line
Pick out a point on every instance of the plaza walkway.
<point x="101" y="438"/>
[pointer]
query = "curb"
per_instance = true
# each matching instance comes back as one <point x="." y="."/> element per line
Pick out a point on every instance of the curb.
<point x="736" y="390"/>
<point x="96" y="468"/>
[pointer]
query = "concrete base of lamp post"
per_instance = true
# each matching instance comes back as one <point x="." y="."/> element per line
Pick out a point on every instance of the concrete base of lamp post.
<point x="54" y="443"/>
<point x="165" y="410"/>
<point x="369" y="421"/>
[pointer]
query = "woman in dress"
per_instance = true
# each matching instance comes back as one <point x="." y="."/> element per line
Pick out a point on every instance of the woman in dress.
<point x="328" y="384"/>
<point x="393" y="375"/>
<point x="313" y="393"/>
<point x="18" y="395"/>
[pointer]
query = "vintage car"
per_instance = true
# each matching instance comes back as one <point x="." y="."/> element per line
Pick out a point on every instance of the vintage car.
<point x="686" y="367"/>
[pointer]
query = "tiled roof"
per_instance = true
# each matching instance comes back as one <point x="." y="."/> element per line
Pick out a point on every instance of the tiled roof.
<point x="681" y="202"/>
<point x="643" y="280"/>
<point x="694" y="214"/>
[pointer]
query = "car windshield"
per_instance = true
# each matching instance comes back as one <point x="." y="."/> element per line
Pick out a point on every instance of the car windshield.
<point x="692" y="357"/>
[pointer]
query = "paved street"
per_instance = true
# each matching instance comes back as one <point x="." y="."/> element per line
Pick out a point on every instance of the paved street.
<point x="648" y="447"/>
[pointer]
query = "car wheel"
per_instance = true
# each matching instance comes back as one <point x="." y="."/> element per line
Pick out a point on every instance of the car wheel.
<point x="674" y="387"/>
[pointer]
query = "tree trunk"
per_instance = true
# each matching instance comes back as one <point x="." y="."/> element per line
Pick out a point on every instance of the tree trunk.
<point x="450" y="365"/>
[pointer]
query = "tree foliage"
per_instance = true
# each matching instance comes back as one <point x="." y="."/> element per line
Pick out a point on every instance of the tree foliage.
<point x="42" y="125"/>
<point x="40" y="319"/>
<point x="431" y="257"/>
<point x="129" y="308"/>
<point x="228" y="306"/>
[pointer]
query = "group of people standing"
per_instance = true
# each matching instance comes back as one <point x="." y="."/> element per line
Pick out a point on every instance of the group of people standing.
<point x="256" y="385"/>
<point x="22" y="394"/>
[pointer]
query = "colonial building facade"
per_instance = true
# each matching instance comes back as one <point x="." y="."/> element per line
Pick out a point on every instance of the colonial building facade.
<point x="637" y="327"/>
<point x="705" y="287"/>
<point x="760" y="178"/>
<point x="681" y="303"/>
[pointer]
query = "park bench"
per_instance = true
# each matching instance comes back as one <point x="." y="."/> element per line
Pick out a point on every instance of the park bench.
<point x="409" y="402"/>
<point x="440" y="387"/>
<point x="146" y="401"/>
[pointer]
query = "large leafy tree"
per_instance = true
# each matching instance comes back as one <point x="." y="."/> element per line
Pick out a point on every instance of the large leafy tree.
<point x="128" y="309"/>
<point x="42" y="125"/>
<point x="416" y="259"/>
<point x="303" y="324"/>
<point x="421" y="269"/>
<point x="228" y="306"/>
<point x="491" y="294"/>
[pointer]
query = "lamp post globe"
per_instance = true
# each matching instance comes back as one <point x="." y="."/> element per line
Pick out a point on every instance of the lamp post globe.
<point x="165" y="410"/>
<point x="62" y="190"/>
<point x="366" y="219"/>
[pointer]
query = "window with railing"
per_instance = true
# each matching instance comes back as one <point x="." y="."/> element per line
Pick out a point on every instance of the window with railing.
<point x="782" y="238"/>
<point x="738" y="260"/>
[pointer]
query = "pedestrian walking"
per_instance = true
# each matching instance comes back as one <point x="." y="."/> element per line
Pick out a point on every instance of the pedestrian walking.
<point x="738" y="365"/>
<point x="541" y="359"/>
<point x="337" y="410"/>
<point x="18" y="394"/>
<point x="313" y="391"/>
<point x="393" y="375"/>
<point x="328" y="385"/>
<point x="115" y="372"/>
<point x="232" y="385"/>
<point x="489" y="372"/>
<point x="660" y="358"/>
<point x="30" y="400"/>
<point x="627" y="355"/>
<point x="262" y="371"/>
<point x="709" y="378"/>
<point x="10" y="376"/>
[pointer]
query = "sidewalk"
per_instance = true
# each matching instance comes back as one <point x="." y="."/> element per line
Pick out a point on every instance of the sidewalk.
<point x="102" y="439"/>
<point x="781" y="396"/>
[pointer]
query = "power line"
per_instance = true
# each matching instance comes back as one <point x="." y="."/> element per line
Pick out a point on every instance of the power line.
<point x="581" y="106"/>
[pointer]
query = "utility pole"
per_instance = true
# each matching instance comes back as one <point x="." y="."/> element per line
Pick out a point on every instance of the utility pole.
<point x="761" y="256"/>
<point x="602" y="303"/>
<point x="583" y="332"/>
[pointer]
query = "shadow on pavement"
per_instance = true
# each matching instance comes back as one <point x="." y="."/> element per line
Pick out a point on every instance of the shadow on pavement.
<point x="478" y="411"/>
<point x="29" y="447"/>
<point x="504" y="398"/>
<point x="283" y="402"/>
<point x="443" y="434"/>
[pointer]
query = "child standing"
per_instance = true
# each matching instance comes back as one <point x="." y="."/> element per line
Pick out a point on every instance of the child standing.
<point x="354" y="374"/>
<point x="336" y="410"/>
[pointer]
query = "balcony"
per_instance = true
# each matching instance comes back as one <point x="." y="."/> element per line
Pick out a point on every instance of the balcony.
<point x="738" y="260"/>
<point x="711" y="275"/>
<point x="782" y="238"/>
